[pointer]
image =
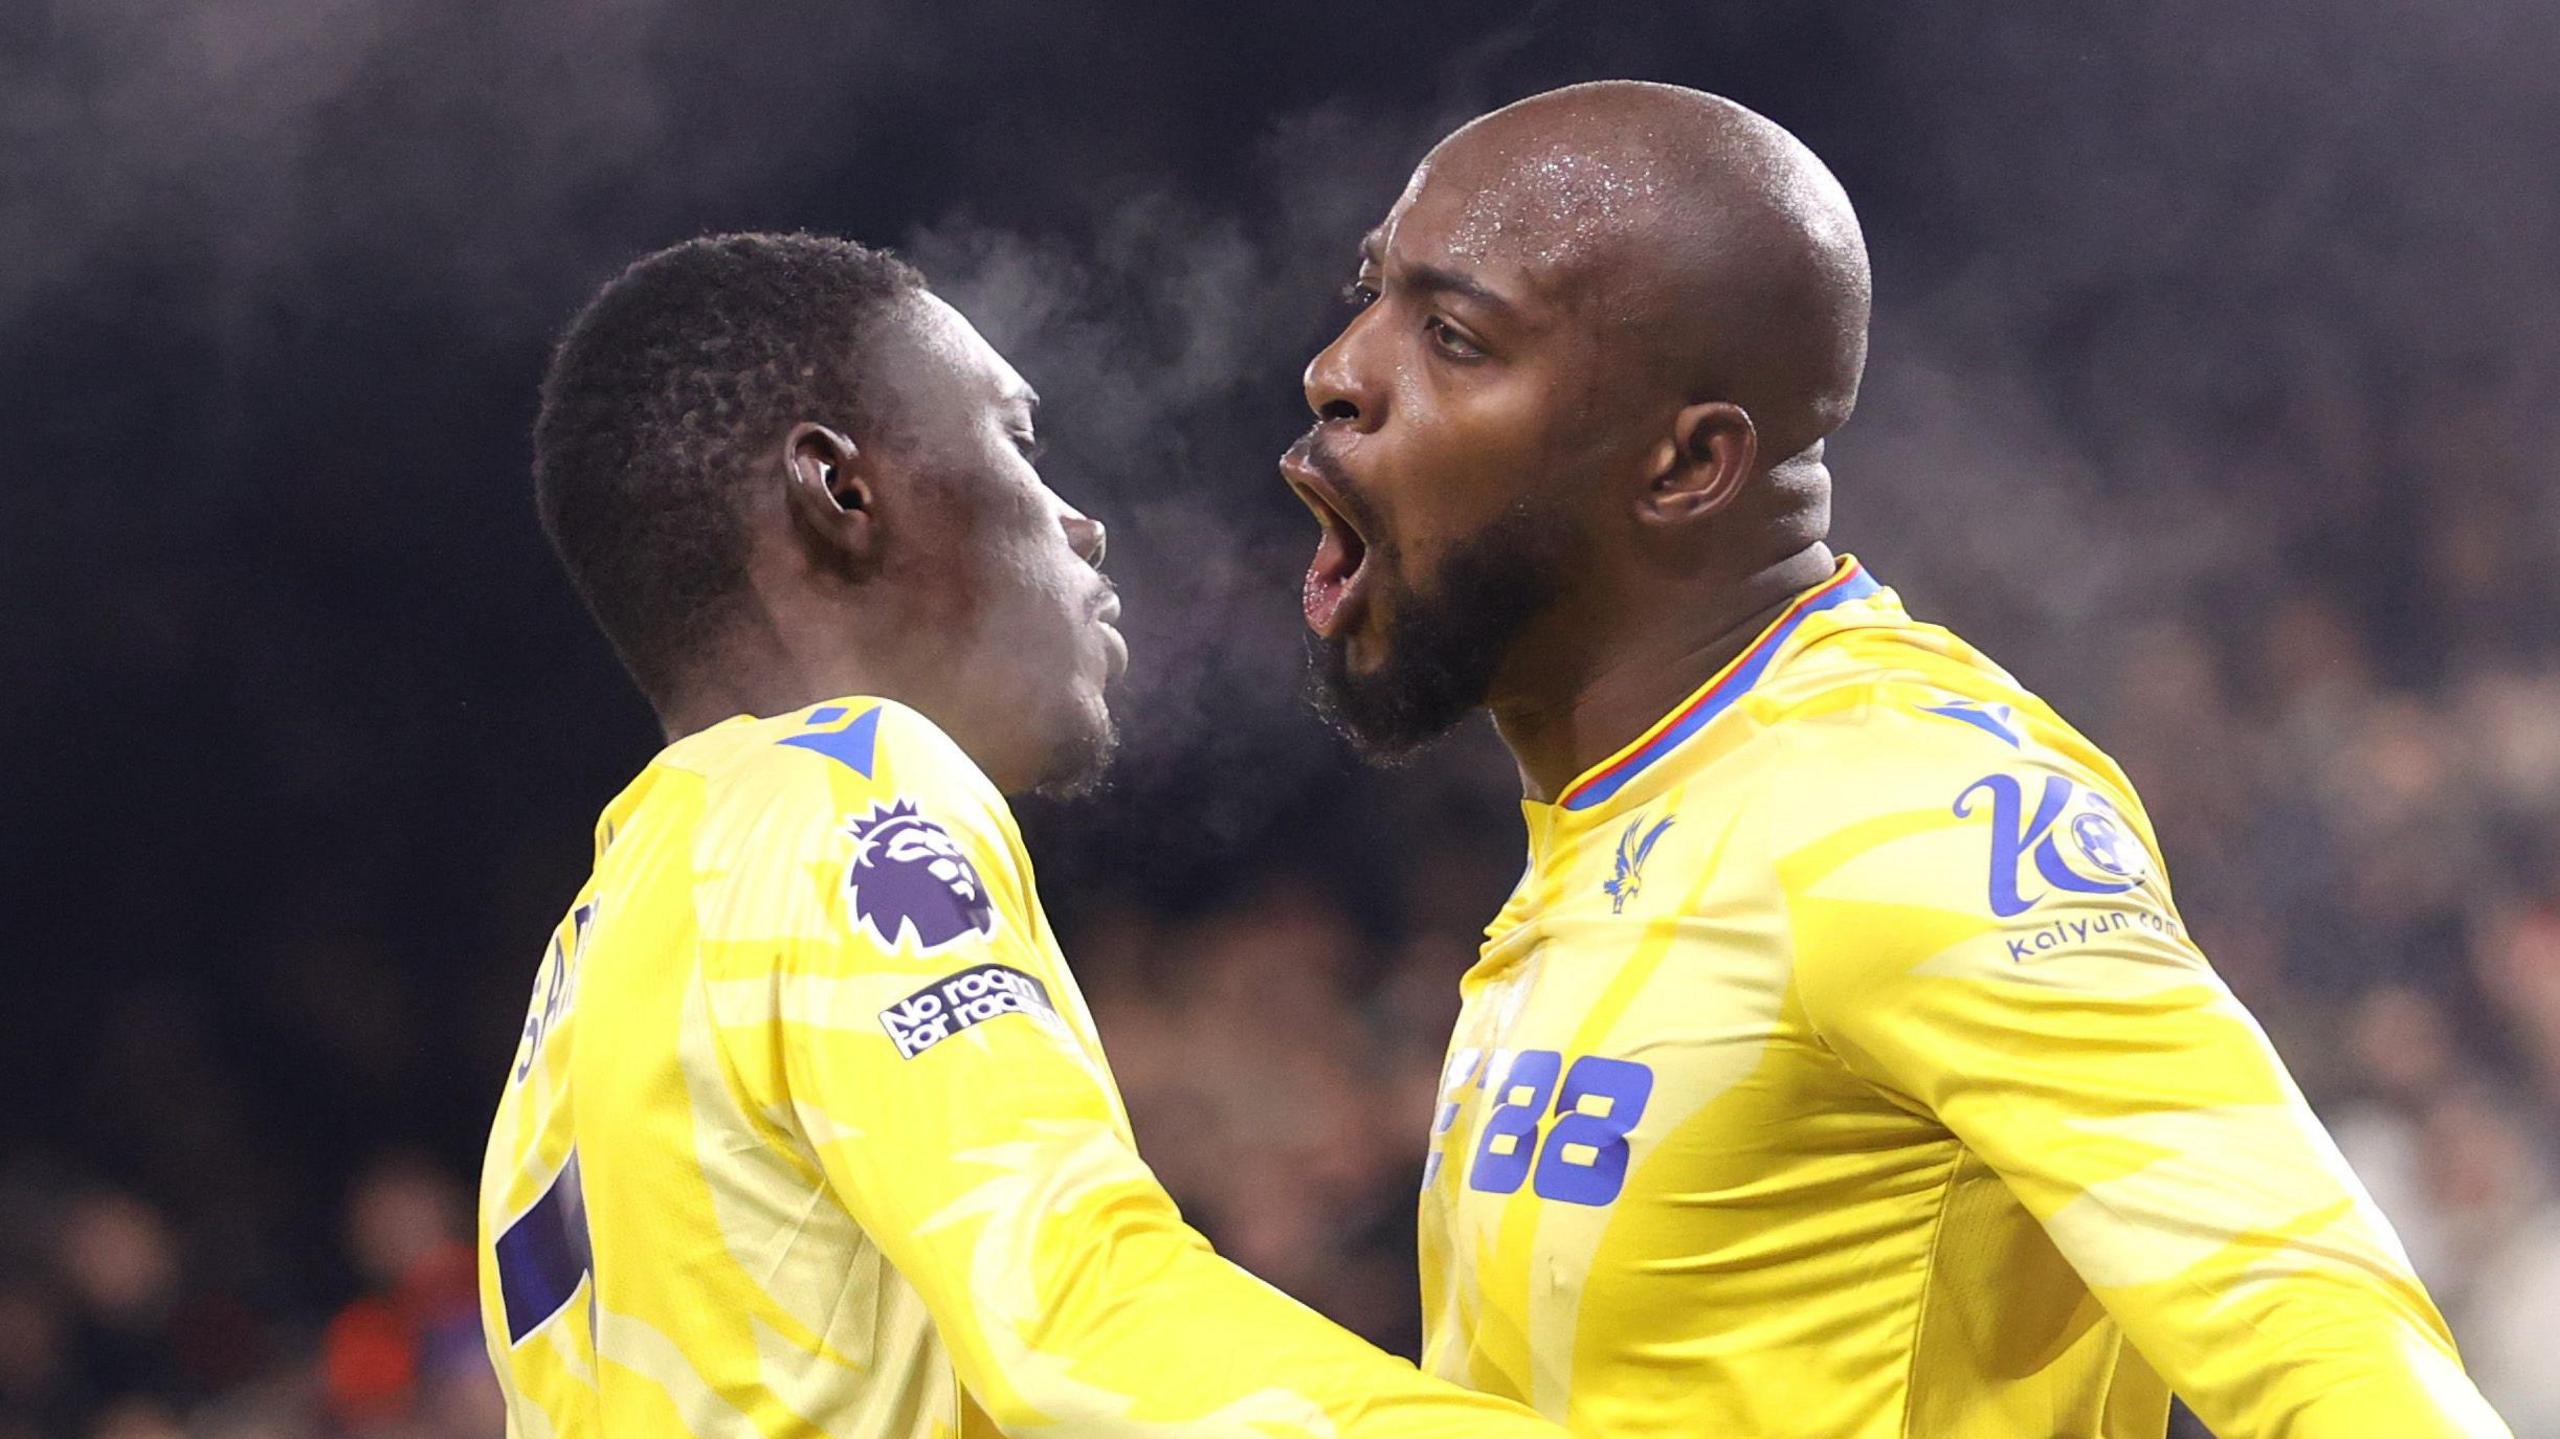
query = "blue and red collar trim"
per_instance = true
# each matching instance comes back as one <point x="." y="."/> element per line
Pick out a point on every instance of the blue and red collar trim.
<point x="1731" y="683"/>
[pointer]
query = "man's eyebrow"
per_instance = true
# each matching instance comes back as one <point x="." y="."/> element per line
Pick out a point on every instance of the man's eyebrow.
<point x="1437" y="278"/>
<point x="1025" y="396"/>
<point x="1456" y="282"/>
<point x="1432" y="277"/>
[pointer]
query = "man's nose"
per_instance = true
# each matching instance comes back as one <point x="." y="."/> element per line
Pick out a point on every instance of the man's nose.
<point x="1338" y="382"/>
<point x="1085" y="536"/>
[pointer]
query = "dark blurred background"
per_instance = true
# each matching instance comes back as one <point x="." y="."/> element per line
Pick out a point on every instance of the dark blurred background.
<point x="2213" y="391"/>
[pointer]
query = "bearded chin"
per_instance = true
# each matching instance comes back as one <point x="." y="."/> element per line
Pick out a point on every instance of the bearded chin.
<point x="1080" y="761"/>
<point x="1446" y="642"/>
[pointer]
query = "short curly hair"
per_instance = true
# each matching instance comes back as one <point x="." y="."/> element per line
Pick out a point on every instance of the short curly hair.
<point x="673" y="385"/>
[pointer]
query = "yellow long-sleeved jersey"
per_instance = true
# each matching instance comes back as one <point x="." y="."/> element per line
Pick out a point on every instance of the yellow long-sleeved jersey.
<point x="1841" y="1068"/>
<point x="809" y="1133"/>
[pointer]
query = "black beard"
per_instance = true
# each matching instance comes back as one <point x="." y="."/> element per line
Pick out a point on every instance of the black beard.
<point x="1446" y="641"/>
<point x="1081" y="763"/>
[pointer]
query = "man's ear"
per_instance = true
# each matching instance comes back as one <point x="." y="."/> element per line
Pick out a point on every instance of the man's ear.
<point x="829" y="488"/>
<point x="1712" y="452"/>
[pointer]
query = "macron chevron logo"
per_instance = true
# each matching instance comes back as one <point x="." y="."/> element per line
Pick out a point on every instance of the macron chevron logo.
<point x="1998" y="721"/>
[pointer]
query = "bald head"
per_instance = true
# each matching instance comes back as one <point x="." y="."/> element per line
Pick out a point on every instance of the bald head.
<point x="1720" y="246"/>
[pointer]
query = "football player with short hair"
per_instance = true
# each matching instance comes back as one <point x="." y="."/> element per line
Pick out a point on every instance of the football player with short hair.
<point x="808" y="1131"/>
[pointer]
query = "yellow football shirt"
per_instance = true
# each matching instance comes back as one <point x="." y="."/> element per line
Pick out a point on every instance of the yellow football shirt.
<point x="808" y="1133"/>
<point x="1841" y="1068"/>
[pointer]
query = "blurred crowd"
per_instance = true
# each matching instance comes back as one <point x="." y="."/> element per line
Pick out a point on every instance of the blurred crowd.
<point x="2372" y="866"/>
<point x="115" y="1323"/>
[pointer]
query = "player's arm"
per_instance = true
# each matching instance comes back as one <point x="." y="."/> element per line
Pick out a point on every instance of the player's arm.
<point x="2004" y="957"/>
<point x="977" y="1140"/>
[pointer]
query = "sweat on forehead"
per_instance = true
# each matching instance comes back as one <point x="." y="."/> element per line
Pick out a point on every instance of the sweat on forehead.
<point x="1543" y="205"/>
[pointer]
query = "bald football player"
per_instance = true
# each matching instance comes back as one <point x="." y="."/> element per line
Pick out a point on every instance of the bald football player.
<point x="808" y="1132"/>
<point x="1841" y="1066"/>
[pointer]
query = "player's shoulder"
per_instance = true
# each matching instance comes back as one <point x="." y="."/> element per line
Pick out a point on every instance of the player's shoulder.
<point x="1885" y="718"/>
<point x="807" y="787"/>
<point x="855" y="817"/>
<point x="836" y="753"/>
<point x="1908" y="762"/>
<point x="1920" y="787"/>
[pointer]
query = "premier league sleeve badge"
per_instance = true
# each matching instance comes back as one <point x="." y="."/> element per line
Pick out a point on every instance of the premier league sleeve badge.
<point x="909" y="875"/>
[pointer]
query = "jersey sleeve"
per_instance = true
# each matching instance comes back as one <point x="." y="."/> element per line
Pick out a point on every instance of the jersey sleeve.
<point x="1983" y="932"/>
<point x="958" y="1106"/>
